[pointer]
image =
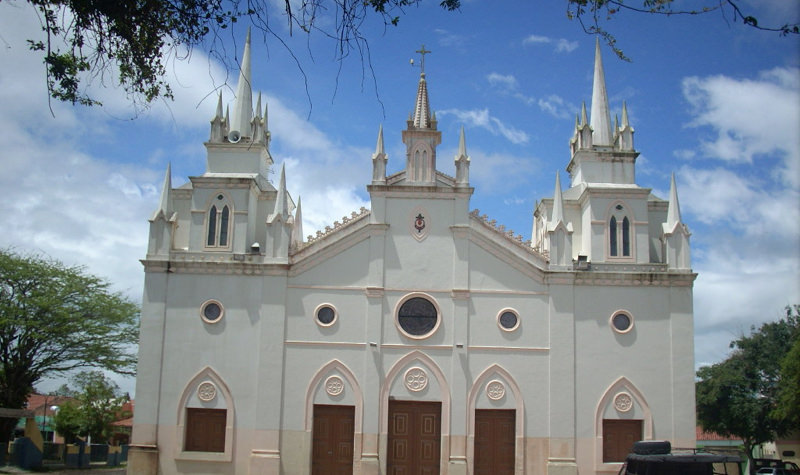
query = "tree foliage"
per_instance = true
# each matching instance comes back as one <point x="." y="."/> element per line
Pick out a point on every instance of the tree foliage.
<point x="97" y="404"/>
<point x="54" y="319"/>
<point x="788" y="405"/>
<point x="130" y="43"/>
<point x="593" y="14"/>
<point x="738" y="396"/>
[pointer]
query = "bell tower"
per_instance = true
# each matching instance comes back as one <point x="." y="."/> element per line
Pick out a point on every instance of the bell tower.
<point x="421" y="136"/>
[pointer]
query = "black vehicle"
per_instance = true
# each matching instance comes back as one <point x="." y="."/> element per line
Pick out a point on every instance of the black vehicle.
<point x="656" y="457"/>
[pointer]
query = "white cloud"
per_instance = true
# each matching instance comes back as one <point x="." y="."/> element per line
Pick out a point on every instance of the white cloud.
<point x="507" y="81"/>
<point x="751" y="119"/>
<point x="560" y="45"/>
<point x="747" y="249"/>
<point x="481" y="118"/>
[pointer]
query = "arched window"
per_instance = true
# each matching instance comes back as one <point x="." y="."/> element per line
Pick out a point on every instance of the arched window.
<point x="218" y="223"/>
<point x="619" y="232"/>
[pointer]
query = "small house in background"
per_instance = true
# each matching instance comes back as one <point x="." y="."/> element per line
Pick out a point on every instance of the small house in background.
<point x="44" y="407"/>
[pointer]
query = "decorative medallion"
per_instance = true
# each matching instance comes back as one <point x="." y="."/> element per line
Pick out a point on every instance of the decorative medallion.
<point x="419" y="223"/>
<point x="416" y="379"/>
<point x="495" y="390"/>
<point x="623" y="402"/>
<point x="334" y="386"/>
<point x="207" y="391"/>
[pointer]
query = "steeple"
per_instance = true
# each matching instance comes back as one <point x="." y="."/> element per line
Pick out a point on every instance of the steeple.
<point x="462" y="162"/>
<point x="163" y="222"/>
<point x="379" y="160"/>
<point x="422" y="110"/>
<point x="559" y="233"/>
<point x="421" y="137"/>
<point x="218" y="124"/>
<point x="677" y="253"/>
<point x="243" y="107"/>
<point x="601" y="122"/>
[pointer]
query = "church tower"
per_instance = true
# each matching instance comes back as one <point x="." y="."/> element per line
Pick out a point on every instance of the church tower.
<point x="421" y="136"/>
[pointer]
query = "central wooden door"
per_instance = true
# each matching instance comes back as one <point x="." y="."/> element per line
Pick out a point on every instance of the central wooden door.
<point x="332" y="452"/>
<point x="415" y="437"/>
<point x="618" y="438"/>
<point x="495" y="438"/>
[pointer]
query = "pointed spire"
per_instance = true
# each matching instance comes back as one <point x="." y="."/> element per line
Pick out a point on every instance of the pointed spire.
<point x="558" y="203"/>
<point x="674" y="210"/>
<point x="422" y="112"/>
<point x="462" y="144"/>
<point x="297" y="230"/>
<point x="218" y="115"/>
<point x="601" y="122"/>
<point x="583" y="114"/>
<point x="577" y="122"/>
<point x="281" y="203"/>
<point x="624" y="115"/>
<point x="165" y="206"/>
<point x="243" y="107"/>
<point x="462" y="161"/>
<point x="379" y="150"/>
<point x="258" y="106"/>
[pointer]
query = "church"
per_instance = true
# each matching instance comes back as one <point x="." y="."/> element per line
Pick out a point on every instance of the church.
<point x="417" y="336"/>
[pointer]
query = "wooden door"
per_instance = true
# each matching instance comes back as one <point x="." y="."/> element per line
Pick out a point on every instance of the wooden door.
<point x="618" y="438"/>
<point x="205" y="430"/>
<point x="415" y="437"/>
<point x="495" y="439"/>
<point x="332" y="452"/>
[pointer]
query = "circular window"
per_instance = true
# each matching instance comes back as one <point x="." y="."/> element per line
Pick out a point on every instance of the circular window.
<point x="211" y="311"/>
<point x="508" y="319"/>
<point x="326" y="315"/>
<point x="621" y="322"/>
<point x="417" y="316"/>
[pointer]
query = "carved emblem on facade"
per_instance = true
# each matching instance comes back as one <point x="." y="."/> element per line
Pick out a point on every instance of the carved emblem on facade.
<point x="334" y="386"/>
<point x="419" y="223"/>
<point x="495" y="390"/>
<point x="416" y="379"/>
<point x="623" y="402"/>
<point x="207" y="391"/>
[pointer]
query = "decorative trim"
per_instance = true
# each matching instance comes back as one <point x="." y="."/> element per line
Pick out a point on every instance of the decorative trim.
<point x="623" y="402"/>
<point x="500" y="323"/>
<point x="334" y="385"/>
<point x="207" y="374"/>
<point x="495" y="390"/>
<point x="630" y="320"/>
<point x="415" y="379"/>
<point x="460" y="294"/>
<point x="321" y="323"/>
<point x="419" y="223"/>
<point x="621" y="384"/>
<point x="208" y="303"/>
<point x="206" y="391"/>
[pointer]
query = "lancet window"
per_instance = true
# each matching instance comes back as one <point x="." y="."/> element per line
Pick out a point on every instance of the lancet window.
<point x="619" y="232"/>
<point x="218" y="223"/>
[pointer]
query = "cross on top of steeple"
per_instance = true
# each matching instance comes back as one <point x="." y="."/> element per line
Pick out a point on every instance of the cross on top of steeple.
<point x="422" y="53"/>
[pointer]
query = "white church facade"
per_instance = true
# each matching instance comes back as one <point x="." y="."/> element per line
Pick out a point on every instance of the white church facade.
<point x="416" y="336"/>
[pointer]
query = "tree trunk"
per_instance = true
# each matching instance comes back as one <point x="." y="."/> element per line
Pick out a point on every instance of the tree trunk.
<point x="7" y="425"/>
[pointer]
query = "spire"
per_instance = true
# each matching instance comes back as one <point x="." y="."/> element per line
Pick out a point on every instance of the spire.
<point x="379" y="160"/>
<point x="218" y="115"/>
<point x="379" y="150"/>
<point x="281" y="204"/>
<point x="674" y="210"/>
<point x="583" y="114"/>
<point x="217" y="123"/>
<point x="258" y="106"/>
<point x="165" y="204"/>
<point x="558" y="203"/>
<point x="422" y="110"/>
<point x="462" y="161"/>
<point x="243" y="107"/>
<point x="601" y="122"/>
<point x="297" y="230"/>
<point x="624" y="115"/>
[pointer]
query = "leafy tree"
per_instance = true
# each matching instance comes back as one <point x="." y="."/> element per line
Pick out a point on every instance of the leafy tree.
<point x="789" y="386"/>
<point x="97" y="405"/>
<point x="737" y="397"/>
<point x="130" y="42"/>
<point x="54" y="319"/>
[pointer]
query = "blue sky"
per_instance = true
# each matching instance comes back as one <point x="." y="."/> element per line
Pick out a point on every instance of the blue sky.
<point x="711" y="100"/>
